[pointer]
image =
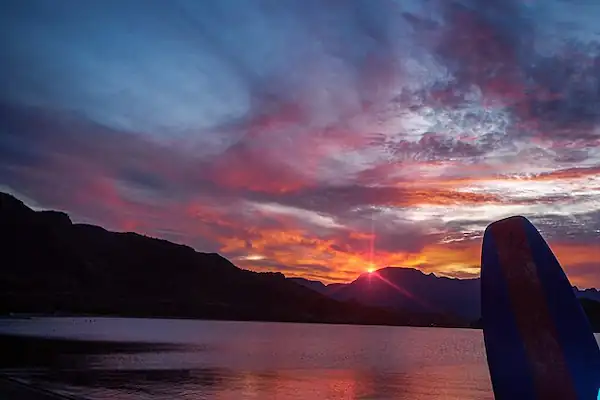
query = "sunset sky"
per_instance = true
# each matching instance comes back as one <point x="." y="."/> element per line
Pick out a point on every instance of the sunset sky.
<point x="319" y="138"/>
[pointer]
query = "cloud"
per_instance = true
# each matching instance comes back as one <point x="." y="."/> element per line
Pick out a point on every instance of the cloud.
<point x="315" y="138"/>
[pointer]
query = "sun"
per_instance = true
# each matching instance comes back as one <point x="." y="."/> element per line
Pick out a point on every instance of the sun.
<point x="370" y="270"/>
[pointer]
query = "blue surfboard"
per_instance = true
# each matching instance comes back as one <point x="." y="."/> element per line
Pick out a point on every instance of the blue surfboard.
<point x="539" y="343"/>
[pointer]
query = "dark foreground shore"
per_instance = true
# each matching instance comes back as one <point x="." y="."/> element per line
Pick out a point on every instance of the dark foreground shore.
<point x="12" y="389"/>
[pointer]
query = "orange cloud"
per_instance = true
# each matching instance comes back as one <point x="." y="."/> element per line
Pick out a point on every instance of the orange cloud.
<point x="286" y="251"/>
<point x="569" y="173"/>
<point x="445" y="197"/>
<point x="298" y="254"/>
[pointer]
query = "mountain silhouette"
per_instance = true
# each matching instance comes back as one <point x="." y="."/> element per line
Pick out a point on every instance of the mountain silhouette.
<point x="317" y="286"/>
<point x="589" y="294"/>
<point x="53" y="266"/>
<point x="411" y="289"/>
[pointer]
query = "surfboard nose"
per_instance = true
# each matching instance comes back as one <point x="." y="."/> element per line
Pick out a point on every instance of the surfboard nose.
<point x="539" y="344"/>
<point x="512" y="219"/>
<point x="509" y="224"/>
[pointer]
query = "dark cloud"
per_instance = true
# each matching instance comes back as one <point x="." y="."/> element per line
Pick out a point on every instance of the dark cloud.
<point x="298" y="268"/>
<point x="570" y="110"/>
<point x="491" y="45"/>
<point x="582" y="228"/>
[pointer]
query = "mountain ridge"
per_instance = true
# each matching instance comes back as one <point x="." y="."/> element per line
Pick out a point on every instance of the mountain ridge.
<point x="460" y="296"/>
<point x="53" y="266"/>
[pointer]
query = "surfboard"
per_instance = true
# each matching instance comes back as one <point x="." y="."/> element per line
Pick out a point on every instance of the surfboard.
<point x="539" y="343"/>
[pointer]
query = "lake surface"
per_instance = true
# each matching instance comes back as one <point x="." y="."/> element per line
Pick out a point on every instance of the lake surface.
<point x="186" y="359"/>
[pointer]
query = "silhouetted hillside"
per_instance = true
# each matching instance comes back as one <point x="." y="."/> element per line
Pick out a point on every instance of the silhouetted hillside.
<point x="50" y="265"/>
<point x="317" y="286"/>
<point x="591" y="294"/>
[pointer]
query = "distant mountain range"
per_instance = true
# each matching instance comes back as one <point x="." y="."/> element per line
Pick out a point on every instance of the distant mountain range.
<point x="50" y="265"/>
<point x="408" y="289"/>
<point x="411" y="289"/>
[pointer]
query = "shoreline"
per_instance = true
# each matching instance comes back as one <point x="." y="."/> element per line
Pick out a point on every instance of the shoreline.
<point x="25" y="316"/>
<point x="14" y="389"/>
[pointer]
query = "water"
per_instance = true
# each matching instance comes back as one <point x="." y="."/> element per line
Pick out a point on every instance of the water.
<point x="182" y="359"/>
